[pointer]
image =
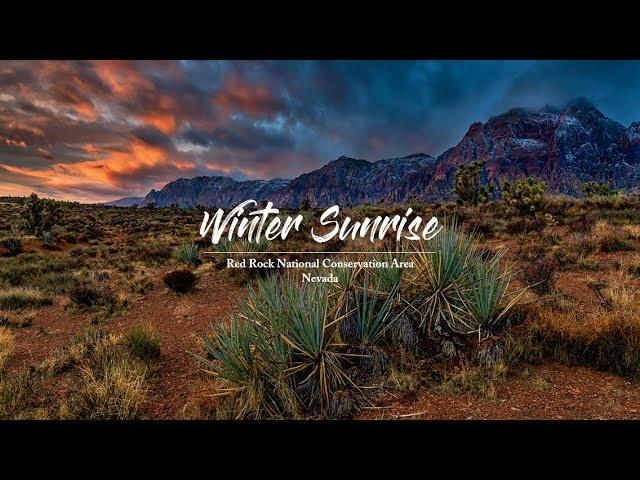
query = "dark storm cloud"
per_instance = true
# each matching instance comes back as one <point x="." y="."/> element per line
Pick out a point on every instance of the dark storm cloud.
<point x="96" y="130"/>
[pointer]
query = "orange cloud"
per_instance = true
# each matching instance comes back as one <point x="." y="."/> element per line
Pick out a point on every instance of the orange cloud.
<point x="236" y="94"/>
<point x="14" y="143"/>
<point x="165" y="122"/>
<point x="122" y="77"/>
<point x="118" y="171"/>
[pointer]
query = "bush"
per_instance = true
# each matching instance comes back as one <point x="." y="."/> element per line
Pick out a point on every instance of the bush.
<point x="467" y="184"/>
<point x="595" y="189"/>
<point x="111" y="385"/>
<point x="540" y="275"/>
<point x="460" y="287"/>
<point x="15" y="298"/>
<point x="13" y="245"/>
<point x="188" y="254"/>
<point x="608" y="340"/>
<point x="89" y="296"/>
<point x="610" y="238"/>
<point x="40" y="214"/>
<point x="141" y="283"/>
<point x="111" y="390"/>
<point x="525" y="196"/>
<point x="283" y="356"/>
<point x="142" y="343"/>
<point x="180" y="281"/>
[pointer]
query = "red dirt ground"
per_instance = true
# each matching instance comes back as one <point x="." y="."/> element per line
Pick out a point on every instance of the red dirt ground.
<point x="551" y="391"/>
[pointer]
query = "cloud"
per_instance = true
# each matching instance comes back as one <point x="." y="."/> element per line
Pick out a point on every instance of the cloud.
<point x="96" y="130"/>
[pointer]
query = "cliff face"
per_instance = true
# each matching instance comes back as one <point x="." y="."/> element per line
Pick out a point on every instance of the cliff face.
<point x="349" y="181"/>
<point x="212" y="191"/>
<point x="565" y="147"/>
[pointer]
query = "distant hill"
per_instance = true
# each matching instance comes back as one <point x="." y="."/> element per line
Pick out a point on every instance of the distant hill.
<point x="124" y="202"/>
<point x="563" y="146"/>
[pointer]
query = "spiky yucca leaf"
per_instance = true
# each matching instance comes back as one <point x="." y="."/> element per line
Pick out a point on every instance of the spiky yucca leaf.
<point x="389" y="278"/>
<point x="373" y="313"/>
<point x="302" y="322"/>
<point x="440" y="278"/>
<point x="486" y="299"/>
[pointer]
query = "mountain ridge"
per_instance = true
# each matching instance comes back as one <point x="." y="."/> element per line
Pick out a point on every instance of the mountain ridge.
<point x="564" y="146"/>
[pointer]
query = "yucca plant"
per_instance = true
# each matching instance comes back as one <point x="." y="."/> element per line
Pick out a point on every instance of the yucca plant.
<point x="388" y="279"/>
<point x="244" y="245"/>
<point x="373" y="313"/>
<point x="252" y="388"/>
<point x="305" y="319"/>
<point x="372" y="318"/>
<point x="486" y="301"/>
<point x="440" y="279"/>
<point x="187" y="253"/>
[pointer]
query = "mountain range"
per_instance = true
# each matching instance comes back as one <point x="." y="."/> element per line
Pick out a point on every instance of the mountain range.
<point x="564" y="146"/>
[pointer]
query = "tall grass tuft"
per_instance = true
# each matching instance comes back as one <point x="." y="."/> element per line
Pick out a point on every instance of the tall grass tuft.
<point x="15" y="298"/>
<point x="7" y="346"/>
<point x="187" y="253"/>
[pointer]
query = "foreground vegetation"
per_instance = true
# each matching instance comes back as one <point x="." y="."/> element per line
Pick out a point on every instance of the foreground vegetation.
<point x="461" y="322"/>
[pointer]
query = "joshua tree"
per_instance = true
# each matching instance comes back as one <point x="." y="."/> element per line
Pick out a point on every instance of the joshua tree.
<point x="524" y="196"/>
<point x="40" y="214"/>
<point x="467" y="184"/>
<point x="593" y="189"/>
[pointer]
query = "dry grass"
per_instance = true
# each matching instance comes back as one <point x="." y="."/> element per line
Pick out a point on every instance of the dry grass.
<point x="111" y="386"/>
<point x="7" y="346"/>
<point x="113" y="390"/>
<point x="633" y="231"/>
<point x="15" y="298"/>
<point x="610" y="238"/>
<point x="473" y="379"/>
<point x="605" y="339"/>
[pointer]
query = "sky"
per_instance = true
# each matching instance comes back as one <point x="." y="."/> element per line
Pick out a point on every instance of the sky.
<point x="95" y="131"/>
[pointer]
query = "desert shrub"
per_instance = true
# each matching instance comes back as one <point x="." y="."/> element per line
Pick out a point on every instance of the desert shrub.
<point x="608" y="340"/>
<point x="402" y="381"/>
<point x="90" y="296"/>
<point x="7" y="346"/>
<point x="524" y="225"/>
<point x="540" y="275"/>
<point x="467" y="184"/>
<point x="15" y="298"/>
<point x="187" y="253"/>
<point x="15" y="396"/>
<point x="13" y="245"/>
<point x="112" y="390"/>
<point x="472" y="379"/>
<point x="632" y="231"/>
<point x="633" y="267"/>
<point x="141" y="283"/>
<point x="142" y="343"/>
<point x="609" y="238"/>
<point x="40" y="215"/>
<point x="581" y="244"/>
<point x="594" y="189"/>
<point x="459" y="287"/>
<point x="180" y="281"/>
<point x="155" y="254"/>
<point x="525" y="196"/>
<point x="50" y="273"/>
<point x="110" y="384"/>
<point x="282" y="357"/>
